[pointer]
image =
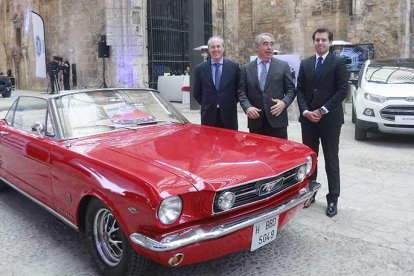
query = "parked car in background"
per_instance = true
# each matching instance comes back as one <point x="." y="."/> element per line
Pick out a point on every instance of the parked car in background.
<point x="127" y="169"/>
<point x="5" y="87"/>
<point x="384" y="98"/>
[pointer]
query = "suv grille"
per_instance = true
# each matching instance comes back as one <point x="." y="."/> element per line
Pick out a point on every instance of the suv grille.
<point x="389" y="112"/>
<point x="259" y="190"/>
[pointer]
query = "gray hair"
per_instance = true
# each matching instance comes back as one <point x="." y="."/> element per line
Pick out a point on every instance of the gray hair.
<point x="259" y="38"/>
<point x="216" y="37"/>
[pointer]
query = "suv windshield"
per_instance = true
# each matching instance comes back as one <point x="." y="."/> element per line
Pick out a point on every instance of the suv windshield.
<point x="390" y="73"/>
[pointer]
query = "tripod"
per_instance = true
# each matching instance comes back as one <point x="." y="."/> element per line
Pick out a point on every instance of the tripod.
<point x="103" y="84"/>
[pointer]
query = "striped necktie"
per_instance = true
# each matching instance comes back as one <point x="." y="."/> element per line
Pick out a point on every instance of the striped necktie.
<point x="263" y="75"/>
<point x="217" y="76"/>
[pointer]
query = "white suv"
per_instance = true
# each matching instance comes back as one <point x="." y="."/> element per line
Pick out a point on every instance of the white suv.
<point x="384" y="98"/>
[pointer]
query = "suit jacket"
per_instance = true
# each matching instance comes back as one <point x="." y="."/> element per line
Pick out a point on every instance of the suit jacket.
<point x="329" y="89"/>
<point x="209" y="98"/>
<point x="279" y="85"/>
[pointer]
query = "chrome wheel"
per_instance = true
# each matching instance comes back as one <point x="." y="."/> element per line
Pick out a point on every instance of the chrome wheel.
<point x="108" y="237"/>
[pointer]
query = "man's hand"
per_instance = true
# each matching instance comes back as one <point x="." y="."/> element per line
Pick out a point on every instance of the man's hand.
<point x="253" y="112"/>
<point x="313" y="116"/>
<point x="278" y="107"/>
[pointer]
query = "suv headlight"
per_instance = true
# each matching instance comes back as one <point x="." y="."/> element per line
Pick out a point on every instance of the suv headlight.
<point x="170" y="209"/>
<point x="375" y="98"/>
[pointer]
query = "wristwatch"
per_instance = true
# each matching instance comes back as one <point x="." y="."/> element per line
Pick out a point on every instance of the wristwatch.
<point x="323" y="111"/>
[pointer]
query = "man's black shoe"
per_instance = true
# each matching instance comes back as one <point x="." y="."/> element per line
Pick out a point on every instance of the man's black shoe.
<point x="331" y="210"/>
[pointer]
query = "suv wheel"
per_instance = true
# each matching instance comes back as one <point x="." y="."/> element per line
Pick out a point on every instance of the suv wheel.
<point x="353" y="114"/>
<point x="360" y="133"/>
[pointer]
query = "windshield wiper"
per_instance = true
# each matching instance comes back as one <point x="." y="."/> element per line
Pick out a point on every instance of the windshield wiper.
<point x="377" y="81"/>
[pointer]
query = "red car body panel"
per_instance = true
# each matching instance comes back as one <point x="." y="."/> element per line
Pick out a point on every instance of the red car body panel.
<point x="132" y="170"/>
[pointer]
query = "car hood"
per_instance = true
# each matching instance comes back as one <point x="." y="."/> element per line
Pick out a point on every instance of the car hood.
<point x="207" y="157"/>
<point x="390" y="90"/>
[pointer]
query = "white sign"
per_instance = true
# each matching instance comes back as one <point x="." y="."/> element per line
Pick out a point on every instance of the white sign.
<point x="39" y="43"/>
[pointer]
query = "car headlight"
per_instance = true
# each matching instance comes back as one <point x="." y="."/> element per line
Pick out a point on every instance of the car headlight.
<point x="301" y="174"/>
<point x="375" y="98"/>
<point x="226" y="200"/>
<point x="170" y="209"/>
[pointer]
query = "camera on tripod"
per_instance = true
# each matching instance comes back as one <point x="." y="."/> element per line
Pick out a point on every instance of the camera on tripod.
<point x="58" y="58"/>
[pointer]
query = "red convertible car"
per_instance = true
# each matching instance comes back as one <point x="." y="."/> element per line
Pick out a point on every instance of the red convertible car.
<point x="127" y="169"/>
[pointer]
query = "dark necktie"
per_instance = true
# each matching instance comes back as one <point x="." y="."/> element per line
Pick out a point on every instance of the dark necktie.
<point x="217" y="75"/>
<point x="318" y="66"/>
<point x="263" y="75"/>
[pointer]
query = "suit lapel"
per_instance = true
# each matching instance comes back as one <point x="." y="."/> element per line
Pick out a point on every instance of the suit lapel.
<point x="207" y="72"/>
<point x="253" y="72"/>
<point x="326" y="63"/>
<point x="223" y="74"/>
<point x="273" y="68"/>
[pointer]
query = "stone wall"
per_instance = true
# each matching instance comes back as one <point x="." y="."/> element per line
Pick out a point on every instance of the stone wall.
<point x="292" y="22"/>
<point x="73" y="28"/>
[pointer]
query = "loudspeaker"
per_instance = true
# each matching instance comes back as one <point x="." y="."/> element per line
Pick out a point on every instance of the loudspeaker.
<point x="74" y="76"/>
<point x="103" y="49"/>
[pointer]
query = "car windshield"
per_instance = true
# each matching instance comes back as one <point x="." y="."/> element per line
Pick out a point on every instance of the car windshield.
<point x="99" y="111"/>
<point x="390" y="73"/>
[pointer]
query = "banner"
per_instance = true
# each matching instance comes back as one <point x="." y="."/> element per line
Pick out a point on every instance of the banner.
<point x="39" y="43"/>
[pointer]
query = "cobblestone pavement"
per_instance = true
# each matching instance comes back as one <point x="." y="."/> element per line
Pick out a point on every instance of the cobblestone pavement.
<point x="371" y="235"/>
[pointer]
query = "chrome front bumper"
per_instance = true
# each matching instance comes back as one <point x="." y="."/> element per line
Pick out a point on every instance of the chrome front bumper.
<point x="202" y="233"/>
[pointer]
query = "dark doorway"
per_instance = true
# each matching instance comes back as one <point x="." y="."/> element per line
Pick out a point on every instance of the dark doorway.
<point x="168" y="37"/>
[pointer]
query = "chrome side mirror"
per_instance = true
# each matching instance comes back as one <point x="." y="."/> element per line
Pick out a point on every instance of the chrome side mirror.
<point x="39" y="129"/>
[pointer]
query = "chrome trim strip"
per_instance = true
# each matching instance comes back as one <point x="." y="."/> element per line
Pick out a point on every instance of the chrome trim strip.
<point x="202" y="233"/>
<point x="47" y="208"/>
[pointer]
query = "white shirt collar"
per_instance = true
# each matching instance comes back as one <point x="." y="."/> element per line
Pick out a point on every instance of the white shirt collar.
<point x="324" y="56"/>
<point x="259" y="61"/>
<point x="220" y="61"/>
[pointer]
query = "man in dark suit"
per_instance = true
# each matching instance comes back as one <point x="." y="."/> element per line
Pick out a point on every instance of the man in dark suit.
<point x="266" y="90"/>
<point x="215" y="84"/>
<point x="322" y="87"/>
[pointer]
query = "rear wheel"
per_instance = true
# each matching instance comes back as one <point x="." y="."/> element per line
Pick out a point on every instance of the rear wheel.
<point x="108" y="244"/>
<point x="360" y="133"/>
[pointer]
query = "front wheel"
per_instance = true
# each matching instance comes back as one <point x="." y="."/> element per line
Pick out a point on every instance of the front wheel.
<point x="3" y="186"/>
<point x="108" y="244"/>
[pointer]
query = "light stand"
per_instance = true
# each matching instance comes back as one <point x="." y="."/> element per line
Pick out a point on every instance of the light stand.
<point x="103" y="84"/>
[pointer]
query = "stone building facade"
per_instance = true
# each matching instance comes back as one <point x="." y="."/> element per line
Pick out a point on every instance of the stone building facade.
<point x="389" y="24"/>
<point x="74" y="27"/>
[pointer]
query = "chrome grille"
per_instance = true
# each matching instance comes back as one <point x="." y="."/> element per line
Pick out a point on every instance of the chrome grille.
<point x="250" y="192"/>
<point x="389" y="112"/>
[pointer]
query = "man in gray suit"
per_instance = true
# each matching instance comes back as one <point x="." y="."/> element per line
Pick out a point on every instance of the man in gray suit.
<point x="266" y="90"/>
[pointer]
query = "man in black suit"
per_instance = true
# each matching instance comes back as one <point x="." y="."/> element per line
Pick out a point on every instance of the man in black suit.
<point x="322" y="87"/>
<point x="215" y="84"/>
<point x="266" y="90"/>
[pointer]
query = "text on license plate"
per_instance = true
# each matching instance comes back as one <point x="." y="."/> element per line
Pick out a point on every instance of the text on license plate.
<point x="264" y="232"/>
<point x="404" y="119"/>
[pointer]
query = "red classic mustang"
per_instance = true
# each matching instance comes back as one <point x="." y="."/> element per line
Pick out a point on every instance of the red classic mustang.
<point x="127" y="169"/>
